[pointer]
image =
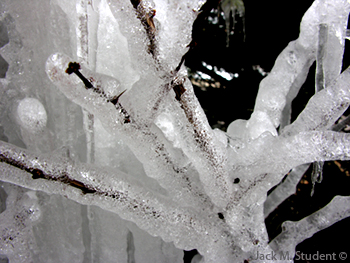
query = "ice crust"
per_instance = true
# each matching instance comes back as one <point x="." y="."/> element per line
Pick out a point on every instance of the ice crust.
<point x="133" y="148"/>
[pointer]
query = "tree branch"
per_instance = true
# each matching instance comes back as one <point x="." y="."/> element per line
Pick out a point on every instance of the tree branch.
<point x="294" y="233"/>
<point x="284" y="153"/>
<point x="148" y="146"/>
<point x="145" y="14"/>
<point x="324" y="108"/>
<point x="116" y="192"/>
<point x="291" y="67"/>
<point x="212" y="160"/>
<point x="287" y="187"/>
<point x="284" y="189"/>
<point x="211" y="165"/>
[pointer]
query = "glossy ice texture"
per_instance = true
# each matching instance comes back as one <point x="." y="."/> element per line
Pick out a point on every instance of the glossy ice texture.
<point x="113" y="159"/>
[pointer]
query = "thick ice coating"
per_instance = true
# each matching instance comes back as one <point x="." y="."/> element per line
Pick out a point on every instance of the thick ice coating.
<point x="106" y="153"/>
<point x="291" y="66"/>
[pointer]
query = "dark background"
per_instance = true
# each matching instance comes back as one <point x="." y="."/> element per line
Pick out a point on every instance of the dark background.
<point x="258" y="39"/>
<point x="266" y="30"/>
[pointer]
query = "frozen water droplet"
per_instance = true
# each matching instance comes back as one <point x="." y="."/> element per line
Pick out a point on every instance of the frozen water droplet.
<point x="31" y="115"/>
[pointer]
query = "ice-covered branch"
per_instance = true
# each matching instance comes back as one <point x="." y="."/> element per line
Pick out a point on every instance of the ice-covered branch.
<point x="320" y="146"/>
<point x="210" y="160"/>
<point x="287" y="187"/>
<point x="165" y="168"/>
<point x="284" y="153"/>
<point x="115" y="192"/>
<point x="291" y="67"/>
<point x="324" y="108"/>
<point x="284" y="189"/>
<point x="307" y="147"/>
<point x="145" y="13"/>
<point x="294" y="233"/>
<point x="101" y="95"/>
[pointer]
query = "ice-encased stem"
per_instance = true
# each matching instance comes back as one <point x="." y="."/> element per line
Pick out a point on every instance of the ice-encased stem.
<point x="210" y="160"/>
<point x="294" y="233"/>
<point x="285" y="153"/>
<point x="308" y="147"/>
<point x="324" y="108"/>
<point x="84" y="50"/>
<point x="116" y="192"/>
<point x="145" y="141"/>
<point x="284" y="189"/>
<point x="293" y="62"/>
<point x="317" y="173"/>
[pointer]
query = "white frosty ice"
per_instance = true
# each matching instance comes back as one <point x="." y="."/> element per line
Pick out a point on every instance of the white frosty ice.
<point x="259" y="123"/>
<point x="32" y="115"/>
<point x="158" y="163"/>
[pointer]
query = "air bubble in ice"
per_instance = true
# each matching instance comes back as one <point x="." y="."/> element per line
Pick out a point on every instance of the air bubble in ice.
<point x="31" y="206"/>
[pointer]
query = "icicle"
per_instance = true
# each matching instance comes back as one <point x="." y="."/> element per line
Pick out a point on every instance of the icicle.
<point x="321" y="52"/>
<point x="231" y="8"/>
<point x="317" y="175"/>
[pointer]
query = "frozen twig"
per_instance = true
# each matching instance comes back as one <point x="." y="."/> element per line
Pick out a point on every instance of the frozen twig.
<point x="143" y="140"/>
<point x="321" y="116"/>
<point x="284" y="189"/>
<point x="211" y="167"/>
<point x="146" y="13"/>
<point x="294" y="233"/>
<point x="291" y="65"/>
<point x="287" y="187"/>
<point x="317" y="173"/>
<point x="84" y="53"/>
<point x="321" y="146"/>
<point x="116" y="192"/>
<point x="289" y="152"/>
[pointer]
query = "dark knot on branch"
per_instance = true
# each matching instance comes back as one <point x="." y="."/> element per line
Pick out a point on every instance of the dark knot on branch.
<point x="73" y="67"/>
